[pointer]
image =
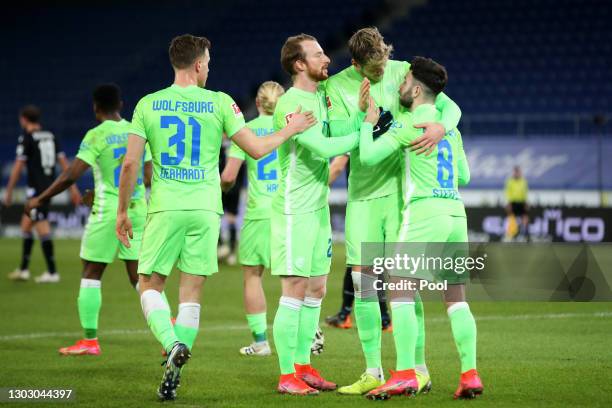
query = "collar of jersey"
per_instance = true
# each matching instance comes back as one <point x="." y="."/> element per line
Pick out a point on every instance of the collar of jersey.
<point x="311" y="95"/>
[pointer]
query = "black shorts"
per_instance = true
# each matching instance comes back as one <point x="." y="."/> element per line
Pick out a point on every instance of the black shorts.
<point x="41" y="213"/>
<point x="518" y="209"/>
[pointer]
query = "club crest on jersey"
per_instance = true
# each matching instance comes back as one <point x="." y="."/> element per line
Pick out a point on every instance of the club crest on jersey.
<point x="236" y="109"/>
<point x="329" y="104"/>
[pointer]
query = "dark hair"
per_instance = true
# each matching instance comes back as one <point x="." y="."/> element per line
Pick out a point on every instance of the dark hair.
<point x="429" y="73"/>
<point x="31" y="113"/>
<point x="292" y="51"/>
<point x="185" y="49"/>
<point x="368" y="45"/>
<point x="107" y="98"/>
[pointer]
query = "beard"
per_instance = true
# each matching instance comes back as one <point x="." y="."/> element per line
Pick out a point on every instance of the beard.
<point x="318" y="74"/>
<point x="406" y="99"/>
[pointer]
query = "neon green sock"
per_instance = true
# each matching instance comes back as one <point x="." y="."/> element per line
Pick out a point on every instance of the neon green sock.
<point x="419" y="354"/>
<point x="367" y="317"/>
<point x="258" y="325"/>
<point x="161" y="326"/>
<point x="89" y="303"/>
<point x="285" y="331"/>
<point x="405" y="333"/>
<point x="464" y="332"/>
<point x="309" y="322"/>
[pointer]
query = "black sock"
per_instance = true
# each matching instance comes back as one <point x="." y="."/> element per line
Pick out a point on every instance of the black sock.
<point x="348" y="293"/>
<point x="232" y="234"/>
<point x="382" y="301"/>
<point x="28" y="242"/>
<point x="47" y="248"/>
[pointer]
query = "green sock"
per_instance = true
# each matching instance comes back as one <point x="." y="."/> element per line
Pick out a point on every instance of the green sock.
<point x="367" y="317"/>
<point x="464" y="332"/>
<point x="405" y="333"/>
<point x="157" y="313"/>
<point x="309" y="322"/>
<point x="187" y="323"/>
<point x="89" y="303"/>
<point x="419" y="354"/>
<point x="285" y="331"/>
<point x="258" y="325"/>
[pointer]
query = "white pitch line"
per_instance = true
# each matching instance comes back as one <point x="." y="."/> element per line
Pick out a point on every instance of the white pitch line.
<point x="123" y="332"/>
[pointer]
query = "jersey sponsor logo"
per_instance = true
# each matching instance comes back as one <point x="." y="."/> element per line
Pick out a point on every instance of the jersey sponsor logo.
<point x="329" y="104"/>
<point x="236" y="109"/>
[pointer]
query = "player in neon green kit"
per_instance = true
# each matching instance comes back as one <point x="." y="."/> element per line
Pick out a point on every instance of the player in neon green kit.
<point x="254" y="251"/>
<point x="301" y="230"/>
<point x="374" y="199"/>
<point x="102" y="149"/>
<point x="433" y="212"/>
<point x="184" y="125"/>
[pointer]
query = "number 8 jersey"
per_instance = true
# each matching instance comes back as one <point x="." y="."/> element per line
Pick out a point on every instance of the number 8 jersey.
<point x="431" y="183"/>
<point x="184" y="128"/>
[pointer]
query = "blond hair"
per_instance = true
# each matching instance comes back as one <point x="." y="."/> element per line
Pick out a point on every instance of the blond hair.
<point x="268" y="94"/>
<point x="368" y="45"/>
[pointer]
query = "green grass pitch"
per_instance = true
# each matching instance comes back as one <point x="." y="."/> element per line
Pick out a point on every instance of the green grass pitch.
<point x="529" y="354"/>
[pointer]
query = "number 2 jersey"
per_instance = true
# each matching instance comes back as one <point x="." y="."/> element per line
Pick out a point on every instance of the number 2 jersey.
<point x="184" y="127"/>
<point x="39" y="150"/>
<point x="263" y="174"/>
<point x="104" y="148"/>
<point x="431" y="183"/>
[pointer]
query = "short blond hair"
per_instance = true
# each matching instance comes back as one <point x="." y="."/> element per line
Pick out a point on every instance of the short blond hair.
<point x="268" y="94"/>
<point x="368" y="45"/>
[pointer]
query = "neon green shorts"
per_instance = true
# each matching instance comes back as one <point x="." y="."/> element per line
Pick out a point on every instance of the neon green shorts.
<point x="187" y="236"/>
<point x="99" y="242"/>
<point x="375" y="220"/>
<point x="427" y="236"/>
<point x="301" y="243"/>
<point x="254" y="246"/>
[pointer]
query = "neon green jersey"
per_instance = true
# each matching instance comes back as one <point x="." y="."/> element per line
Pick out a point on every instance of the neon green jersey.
<point x="263" y="174"/>
<point x="367" y="182"/>
<point x="103" y="148"/>
<point x="303" y="187"/>
<point x="436" y="176"/>
<point x="184" y="128"/>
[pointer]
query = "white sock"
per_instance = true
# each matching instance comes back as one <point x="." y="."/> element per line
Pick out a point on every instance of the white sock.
<point x="188" y="315"/>
<point x="422" y="368"/>
<point x="291" y="303"/>
<point x="376" y="373"/>
<point x="151" y="300"/>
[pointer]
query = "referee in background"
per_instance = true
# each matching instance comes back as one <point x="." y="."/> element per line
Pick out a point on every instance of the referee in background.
<point x="516" y="192"/>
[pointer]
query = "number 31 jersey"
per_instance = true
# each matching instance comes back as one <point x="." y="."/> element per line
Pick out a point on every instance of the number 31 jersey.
<point x="263" y="174"/>
<point x="104" y="148"/>
<point x="184" y="128"/>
